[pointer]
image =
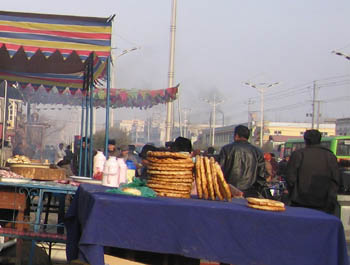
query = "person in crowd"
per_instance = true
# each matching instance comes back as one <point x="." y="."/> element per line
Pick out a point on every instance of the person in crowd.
<point x="169" y="145"/>
<point x="210" y="152"/>
<point x="19" y="149"/>
<point x="270" y="171"/>
<point x="274" y="163"/>
<point x="81" y="160"/>
<point x="60" y="153"/>
<point x="313" y="175"/>
<point x="65" y="163"/>
<point x="133" y="156"/>
<point x="182" y="144"/>
<point x="124" y="152"/>
<point x="112" y="149"/>
<point x="69" y="153"/>
<point x="243" y="164"/>
<point x="282" y="167"/>
<point x="143" y="156"/>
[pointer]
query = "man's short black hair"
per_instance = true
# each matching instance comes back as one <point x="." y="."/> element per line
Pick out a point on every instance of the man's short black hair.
<point x="242" y="131"/>
<point x="312" y="137"/>
<point x="210" y="150"/>
<point x="182" y="144"/>
<point x="145" y="149"/>
<point x="111" y="141"/>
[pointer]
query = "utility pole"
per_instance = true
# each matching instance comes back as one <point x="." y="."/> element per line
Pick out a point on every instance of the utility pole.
<point x="318" y="115"/>
<point x="185" y="127"/>
<point x="213" y="103"/>
<point x="170" y="106"/>
<point x="261" y="88"/>
<point x="249" y="103"/>
<point x="250" y="118"/>
<point x="314" y="99"/>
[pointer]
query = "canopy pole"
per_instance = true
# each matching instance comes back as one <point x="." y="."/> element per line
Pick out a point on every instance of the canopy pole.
<point x="3" y="134"/>
<point x="91" y="90"/>
<point x="81" y="137"/>
<point x="86" y="135"/>
<point x="107" y="105"/>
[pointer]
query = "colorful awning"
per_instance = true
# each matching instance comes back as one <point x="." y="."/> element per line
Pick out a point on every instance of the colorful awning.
<point x="52" y="50"/>
<point x="119" y="98"/>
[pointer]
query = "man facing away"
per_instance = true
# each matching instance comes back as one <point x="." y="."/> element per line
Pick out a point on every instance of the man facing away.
<point x="243" y="164"/>
<point x="313" y="175"/>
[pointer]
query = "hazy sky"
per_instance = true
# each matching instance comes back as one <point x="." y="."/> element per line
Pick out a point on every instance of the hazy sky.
<point x="220" y="44"/>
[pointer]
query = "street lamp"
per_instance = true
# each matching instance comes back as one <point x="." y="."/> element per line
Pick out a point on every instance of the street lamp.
<point x="341" y="54"/>
<point x="213" y="103"/>
<point x="113" y="72"/>
<point x="261" y="88"/>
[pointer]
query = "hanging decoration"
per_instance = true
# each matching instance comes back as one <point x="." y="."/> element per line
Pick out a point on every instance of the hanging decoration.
<point x="130" y="98"/>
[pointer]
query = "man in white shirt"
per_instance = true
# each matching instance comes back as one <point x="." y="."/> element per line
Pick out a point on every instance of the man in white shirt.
<point x="60" y="153"/>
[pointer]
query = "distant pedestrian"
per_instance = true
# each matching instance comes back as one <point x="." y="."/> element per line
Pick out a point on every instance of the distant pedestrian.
<point x="60" y="153"/>
<point x="313" y="175"/>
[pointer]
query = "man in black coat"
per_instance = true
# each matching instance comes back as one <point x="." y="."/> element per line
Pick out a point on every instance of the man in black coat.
<point x="313" y="175"/>
<point x="243" y="164"/>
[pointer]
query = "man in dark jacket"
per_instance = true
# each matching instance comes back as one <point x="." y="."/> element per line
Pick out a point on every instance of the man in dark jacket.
<point x="313" y="175"/>
<point x="243" y="164"/>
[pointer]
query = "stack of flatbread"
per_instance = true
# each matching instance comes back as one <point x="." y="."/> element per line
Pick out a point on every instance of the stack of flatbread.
<point x="210" y="181"/>
<point x="170" y="174"/>
<point x="266" y="204"/>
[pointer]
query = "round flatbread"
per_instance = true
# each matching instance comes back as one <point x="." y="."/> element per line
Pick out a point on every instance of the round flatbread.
<point x="209" y="178"/>
<point x="265" y="202"/>
<point x="223" y="186"/>
<point x="169" y="172"/>
<point x="188" y="176"/>
<point x="173" y="195"/>
<point x="152" y="167"/>
<point x="170" y="160"/>
<point x="162" y="182"/>
<point x="198" y="178"/>
<point x="166" y="154"/>
<point x="266" y="208"/>
<point x="132" y="191"/>
<point x="204" y="179"/>
<point x="170" y="179"/>
<point x="169" y="186"/>
<point x="215" y="180"/>
<point x="177" y="166"/>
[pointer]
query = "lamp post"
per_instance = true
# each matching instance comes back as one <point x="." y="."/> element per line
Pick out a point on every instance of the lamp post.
<point x="341" y="54"/>
<point x="213" y="103"/>
<point x="113" y="75"/>
<point x="170" y="106"/>
<point x="261" y="88"/>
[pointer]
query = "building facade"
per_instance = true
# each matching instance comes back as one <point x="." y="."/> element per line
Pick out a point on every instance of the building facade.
<point x="343" y="126"/>
<point x="276" y="132"/>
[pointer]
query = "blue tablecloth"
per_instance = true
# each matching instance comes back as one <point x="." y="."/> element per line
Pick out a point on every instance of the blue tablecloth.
<point x="217" y="231"/>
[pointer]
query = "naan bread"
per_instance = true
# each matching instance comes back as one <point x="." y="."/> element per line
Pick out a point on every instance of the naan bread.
<point x="198" y="178"/>
<point x="267" y="208"/>
<point x="166" y="154"/>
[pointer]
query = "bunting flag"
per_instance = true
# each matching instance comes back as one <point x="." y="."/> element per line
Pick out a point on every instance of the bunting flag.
<point x="119" y="98"/>
<point x="52" y="50"/>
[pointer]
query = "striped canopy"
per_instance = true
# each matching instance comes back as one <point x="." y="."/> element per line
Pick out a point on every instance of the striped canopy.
<point x="52" y="50"/>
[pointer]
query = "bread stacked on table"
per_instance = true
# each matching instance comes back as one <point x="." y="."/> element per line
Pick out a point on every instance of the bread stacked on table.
<point x="170" y="174"/>
<point x="210" y="181"/>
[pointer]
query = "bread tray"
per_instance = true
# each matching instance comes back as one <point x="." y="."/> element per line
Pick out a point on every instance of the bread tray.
<point x="85" y="180"/>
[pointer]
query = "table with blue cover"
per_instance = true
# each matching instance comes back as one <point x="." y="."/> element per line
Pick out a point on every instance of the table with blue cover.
<point x="227" y="232"/>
